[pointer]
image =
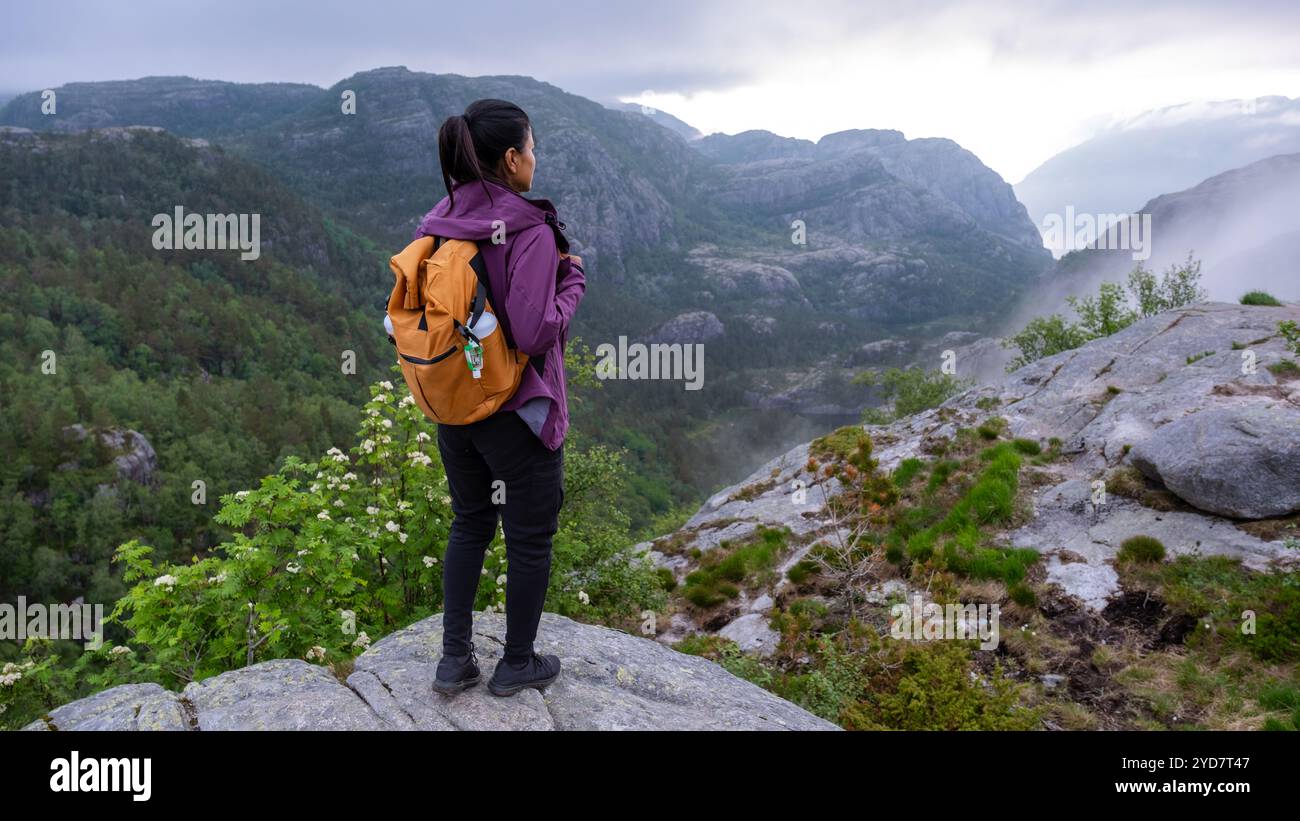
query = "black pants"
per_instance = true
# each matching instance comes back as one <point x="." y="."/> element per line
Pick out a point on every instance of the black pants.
<point x="499" y="456"/>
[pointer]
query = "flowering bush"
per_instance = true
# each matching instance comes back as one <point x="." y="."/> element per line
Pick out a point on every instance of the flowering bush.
<point x="326" y="555"/>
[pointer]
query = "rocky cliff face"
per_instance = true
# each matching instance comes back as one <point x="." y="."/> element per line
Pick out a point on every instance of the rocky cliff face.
<point x="1174" y="428"/>
<point x="897" y="230"/>
<point x="871" y="167"/>
<point x="610" y="680"/>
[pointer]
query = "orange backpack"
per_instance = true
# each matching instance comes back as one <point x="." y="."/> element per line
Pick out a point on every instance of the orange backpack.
<point x="439" y="300"/>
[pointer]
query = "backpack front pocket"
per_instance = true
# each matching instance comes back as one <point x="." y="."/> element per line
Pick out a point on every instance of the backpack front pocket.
<point x="440" y="388"/>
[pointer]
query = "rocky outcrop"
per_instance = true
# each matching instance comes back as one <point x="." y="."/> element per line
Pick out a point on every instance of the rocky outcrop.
<point x="690" y="327"/>
<point x="133" y="456"/>
<point x="782" y="494"/>
<point x="1106" y="401"/>
<point x="1221" y="435"/>
<point x="611" y="680"/>
<point x="1235" y="461"/>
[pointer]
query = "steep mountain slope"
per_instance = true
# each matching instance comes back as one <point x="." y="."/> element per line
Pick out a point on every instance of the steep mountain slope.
<point x="1160" y="151"/>
<point x="1242" y="225"/>
<point x="616" y="177"/>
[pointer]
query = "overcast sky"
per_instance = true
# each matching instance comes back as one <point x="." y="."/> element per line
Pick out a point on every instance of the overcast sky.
<point x="1013" y="82"/>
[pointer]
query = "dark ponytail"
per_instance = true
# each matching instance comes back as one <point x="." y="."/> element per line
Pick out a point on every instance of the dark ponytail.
<point x="471" y="144"/>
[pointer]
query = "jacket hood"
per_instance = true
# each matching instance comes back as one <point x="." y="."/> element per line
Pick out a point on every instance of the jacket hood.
<point x="478" y="205"/>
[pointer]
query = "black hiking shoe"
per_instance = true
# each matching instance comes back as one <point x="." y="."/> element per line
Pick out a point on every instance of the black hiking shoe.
<point x="456" y="673"/>
<point x="537" y="672"/>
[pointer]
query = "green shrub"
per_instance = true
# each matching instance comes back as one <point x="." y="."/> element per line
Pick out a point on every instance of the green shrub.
<point x="940" y="472"/>
<point x="1027" y="446"/>
<point x="1141" y="549"/>
<point x="912" y="389"/>
<point x="1108" y="311"/>
<point x="1291" y="333"/>
<point x="906" y="471"/>
<point x="1218" y="590"/>
<point x="801" y="571"/>
<point x="1022" y="594"/>
<point x="1259" y="298"/>
<point x="726" y="567"/>
<point x="934" y="690"/>
<point x="667" y="580"/>
<point x="991" y="428"/>
<point x="1287" y="369"/>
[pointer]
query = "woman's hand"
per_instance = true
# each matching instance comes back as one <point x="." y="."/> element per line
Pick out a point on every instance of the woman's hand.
<point x="573" y="257"/>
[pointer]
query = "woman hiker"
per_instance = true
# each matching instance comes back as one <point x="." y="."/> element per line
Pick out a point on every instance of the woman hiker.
<point x="487" y="161"/>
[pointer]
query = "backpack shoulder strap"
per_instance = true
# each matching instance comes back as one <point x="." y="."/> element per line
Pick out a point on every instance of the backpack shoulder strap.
<point x="483" y="293"/>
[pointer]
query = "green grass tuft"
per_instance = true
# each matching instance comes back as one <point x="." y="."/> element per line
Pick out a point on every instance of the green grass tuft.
<point x="1259" y="298"/>
<point x="1141" y="549"/>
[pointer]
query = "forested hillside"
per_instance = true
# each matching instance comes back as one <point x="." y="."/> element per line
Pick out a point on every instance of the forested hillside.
<point x="223" y="365"/>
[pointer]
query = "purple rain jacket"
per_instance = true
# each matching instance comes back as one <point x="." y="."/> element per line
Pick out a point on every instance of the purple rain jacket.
<point x="542" y="291"/>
